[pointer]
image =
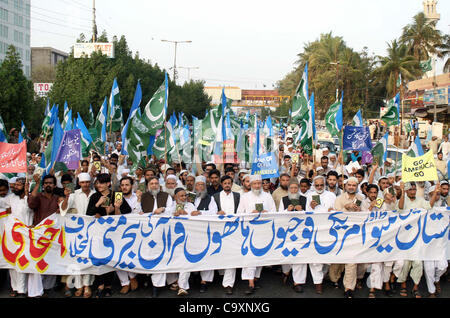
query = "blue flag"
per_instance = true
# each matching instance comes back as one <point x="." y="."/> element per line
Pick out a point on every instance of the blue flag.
<point x="357" y="138"/>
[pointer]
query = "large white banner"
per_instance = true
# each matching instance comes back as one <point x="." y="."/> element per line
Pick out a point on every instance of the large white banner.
<point x="155" y="244"/>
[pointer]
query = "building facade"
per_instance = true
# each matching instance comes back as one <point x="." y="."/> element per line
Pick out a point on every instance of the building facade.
<point x="46" y="56"/>
<point x="15" y="30"/>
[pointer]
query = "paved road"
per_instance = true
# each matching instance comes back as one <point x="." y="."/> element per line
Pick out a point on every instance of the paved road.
<point x="271" y="287"/>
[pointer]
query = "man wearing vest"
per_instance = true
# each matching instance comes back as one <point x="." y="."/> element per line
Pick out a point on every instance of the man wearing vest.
<point x="227" y="203"/>
<point x="159" y="203"/>
<point x="204" y="205"/>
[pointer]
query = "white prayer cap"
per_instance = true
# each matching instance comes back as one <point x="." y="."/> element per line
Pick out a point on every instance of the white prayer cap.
<point x="243" y="171"/>
<point x="444" y="182"/>
<point x="21" y="175"/>
<point x="319" y="168"/>
<point x="432" y="188"/>
<point x="353" y="179"/>
<point x="391" y="175"/>
<point x="245" y="176"/>
<point x="12" y="180"/>
<point x="183" y="171"/>
<point x="171" y="176"/>
<point x="190" y="175"/>
<point x="200" y="179"/>
<point x="332" y="155"/>
<point x="408" y="186"/>
<point x="325" y="149"/>
<point x="255" y="177"/>
<point x="84" y="176"/>
<point x="126" y="171"/>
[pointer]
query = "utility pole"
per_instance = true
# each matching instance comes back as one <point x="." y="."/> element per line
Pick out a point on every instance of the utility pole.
<point x="337" y="78"/>
<point x="94" y="24"/>
<point x="175" y="58"/>
<point x="434" y="92"/>
<point x="189" y="70"/>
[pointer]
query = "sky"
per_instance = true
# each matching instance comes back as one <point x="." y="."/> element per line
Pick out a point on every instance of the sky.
<point x="251" y="44"/>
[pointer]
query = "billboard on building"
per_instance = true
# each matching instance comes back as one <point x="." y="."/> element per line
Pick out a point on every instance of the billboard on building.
<point x="42" y="89"/>
<point x="86" y="49"/>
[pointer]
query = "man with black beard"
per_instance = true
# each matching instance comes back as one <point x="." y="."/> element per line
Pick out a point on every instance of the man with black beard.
<point x="159" y="203"/>
<point x="282" y="190"/>
<point x="332" y="183"/>
<point x="17" y="202"/>
<point x="43" y="204"/>
<point x="204" y="205"/>
<point x="129" y="204"/>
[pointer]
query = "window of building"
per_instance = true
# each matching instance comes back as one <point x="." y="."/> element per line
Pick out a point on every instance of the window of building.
<point x="4" y="1"/>
<point x="27" y="24"/>
<point x="18" y="36"/>
<point x="4" y="31"/>
<point x="28" y="55"/>
<point x="18" y="20"/>
<point x="3" y="14"/>
<point x="27" y="10"/>
<point x="27" y="39"/>
<point x="27" y="71"/>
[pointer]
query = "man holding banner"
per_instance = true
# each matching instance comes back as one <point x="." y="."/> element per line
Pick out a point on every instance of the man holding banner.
<point x="255" y="201"/>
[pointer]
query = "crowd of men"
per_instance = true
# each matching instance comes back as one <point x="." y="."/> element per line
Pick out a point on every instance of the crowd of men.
<point x="173" y="189"/>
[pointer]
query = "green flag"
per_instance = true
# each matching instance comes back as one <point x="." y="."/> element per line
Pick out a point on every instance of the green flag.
<point x="426" y="65"/>
<point x="115" y="119"/>
<point x="330" y="119"/>
<point x="138" y="139"/>
<point x="392" y="116"/>
<point x="154" y="113"/>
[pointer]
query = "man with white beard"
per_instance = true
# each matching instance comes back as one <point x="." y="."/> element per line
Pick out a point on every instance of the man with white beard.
<point x="159" y="203"/>
<point x="204" y="205"/>
<point x="182" y="207"/>
<point x="319" y="199"/>
<point x="293" y="201"/>
<point x="17" y="202"/>
<point x="251" y="202"/>
<point x="170" y="185"/>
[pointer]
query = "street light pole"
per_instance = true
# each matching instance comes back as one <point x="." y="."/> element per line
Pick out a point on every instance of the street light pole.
<point x="175" y="57"/>
<point x="189" y="70"/>
<point x="337" y="78"/>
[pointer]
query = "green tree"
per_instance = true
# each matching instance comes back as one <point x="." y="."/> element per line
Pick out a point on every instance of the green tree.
<point x="16" y="92"/>
<point x="421" y="37"/>
<point x="333" y="65"/>
<point x="398" y="61"/>
<point x="86" y="81"/>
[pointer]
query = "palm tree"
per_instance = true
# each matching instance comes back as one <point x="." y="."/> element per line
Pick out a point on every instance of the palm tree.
<point x="444" y="51"/>
<point x="421" y="37"/>
<point x="397" y="62"/>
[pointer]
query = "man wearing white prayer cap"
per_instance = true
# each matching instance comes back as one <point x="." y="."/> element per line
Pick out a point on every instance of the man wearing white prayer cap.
<point x="204" y="205"/>
<point x="410" y="200"/>
<point x="77" y="203"/>
<point x="245" y="184"/>
<point x="170" y="185"/>
<point x="255" y="201"/>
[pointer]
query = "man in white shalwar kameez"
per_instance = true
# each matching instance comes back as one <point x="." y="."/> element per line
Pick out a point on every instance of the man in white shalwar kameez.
<point x="17" y="202"/>
<point x="78" y="202"/>
<point x="247" y="205"/>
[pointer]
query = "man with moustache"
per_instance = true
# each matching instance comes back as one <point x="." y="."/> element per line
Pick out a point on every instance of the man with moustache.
<point x="17" y="203"/>
<point x="170" y="185"/>
<point x="43" y="204"/>
<point x="78" y="202"/>
<point x="159" y="203"/>
<point x="227" y="203"/>
<point x="332" y="183"/>
<point x="248" y="204"/>
<point x="204" y="205"/>
<point x="182" y="207"/>
<point x="349" y="201"/>
<point x="282" y="190"/>
<point x="130" y="204"/>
